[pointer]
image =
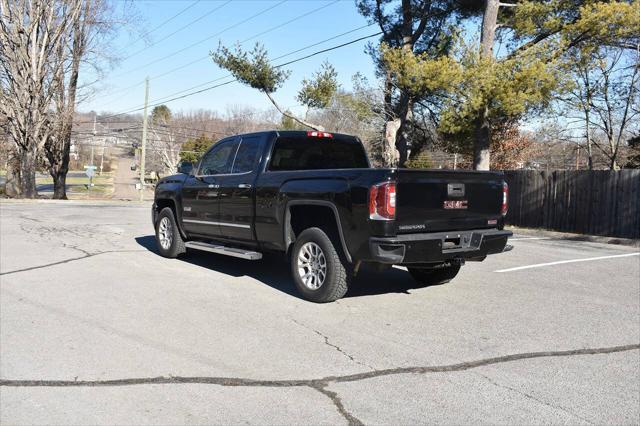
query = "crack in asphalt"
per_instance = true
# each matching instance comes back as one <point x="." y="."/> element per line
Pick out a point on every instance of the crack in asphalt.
<point x="336" y="347"/>
<point x="533" y="398"/>
<point x="72" y="247"/>
<point x="337" y="402"/>
<point x="321" y="384"/>
<point x="73" y="259"/>
<point x="30" y="218"/>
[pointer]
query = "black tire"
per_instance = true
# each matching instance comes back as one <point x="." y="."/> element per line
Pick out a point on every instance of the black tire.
<point x="434" y="276"/>
<point x="175" y="247"/>
<point x="336" y="279"/>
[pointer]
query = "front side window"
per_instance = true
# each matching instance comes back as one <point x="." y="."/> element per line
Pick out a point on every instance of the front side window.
<point x="219" y="159"/>
<point x="248" y="155"/>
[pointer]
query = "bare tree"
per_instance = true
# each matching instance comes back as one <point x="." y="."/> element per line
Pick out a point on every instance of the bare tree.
<point x="32" y="32"/>
<point x="603" y="101"/>
<point x="165" y="140"/>
<point x="86" y="41"/>
<point x="69" y="55"/>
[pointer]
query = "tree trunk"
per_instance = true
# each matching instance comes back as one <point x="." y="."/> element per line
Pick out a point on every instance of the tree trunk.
<point x="60" y="186"/>
<point x="482" y="142"/>
<point x="587" y="118"/>
<point x="291" y="116"/>
<point x="390" y="154"/>
<point x="12" y="185"/>
<point x="589" y="150"/>
<point x="402" y="137"/>
<point x="59" y="157"/>
<point x="59" y="162"/>
<point x="489" y="24"/>
<point x="482" y="130"/>
<point x="28" y="162"/>
<point x="614" y="164"/>
<point x="391" y="126"/>
<point x="404" y="108"/>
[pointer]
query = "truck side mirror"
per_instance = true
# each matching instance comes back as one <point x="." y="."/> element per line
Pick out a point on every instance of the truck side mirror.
<point x="185" y="167"/>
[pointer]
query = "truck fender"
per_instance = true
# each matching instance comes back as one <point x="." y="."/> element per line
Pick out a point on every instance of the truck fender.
<point x="288" y="231"/>
<point x="167" y="201"/>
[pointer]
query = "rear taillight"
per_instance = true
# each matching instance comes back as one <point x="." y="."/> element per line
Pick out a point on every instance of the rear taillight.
<point x="505" y="199"/>
<point x="315" y="134"/>
<point x="382" y="201"/>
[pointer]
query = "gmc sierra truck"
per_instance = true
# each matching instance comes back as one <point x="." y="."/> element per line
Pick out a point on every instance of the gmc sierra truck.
<point x="315" y="197"/>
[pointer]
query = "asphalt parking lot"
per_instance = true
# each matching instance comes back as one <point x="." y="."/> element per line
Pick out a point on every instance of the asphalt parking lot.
<point x="96" y="328"/>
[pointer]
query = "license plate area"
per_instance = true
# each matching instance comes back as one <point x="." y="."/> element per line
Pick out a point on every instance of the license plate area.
<point x="455" y="204"/>
<point x="451" y="243"/>
<point x="457" y="242"/>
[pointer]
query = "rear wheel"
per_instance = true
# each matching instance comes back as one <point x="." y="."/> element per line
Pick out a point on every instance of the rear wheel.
<point x="318" y="271"/>
<point x="434" y="276"/>
<point x="168" y="238"/>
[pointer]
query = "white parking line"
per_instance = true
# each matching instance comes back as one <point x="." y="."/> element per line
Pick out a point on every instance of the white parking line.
<point x="529" y="238"/>
<point x="560" y="262"/>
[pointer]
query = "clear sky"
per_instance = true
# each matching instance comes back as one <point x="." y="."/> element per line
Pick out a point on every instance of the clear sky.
<point x="202" y="25"/>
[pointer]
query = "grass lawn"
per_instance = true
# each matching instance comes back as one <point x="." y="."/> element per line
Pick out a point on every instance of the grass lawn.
<point x="79" y="185"/>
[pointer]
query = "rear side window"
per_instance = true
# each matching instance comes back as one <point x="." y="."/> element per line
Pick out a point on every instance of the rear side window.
<point x="248" y="155"/>
<point x="310" y="153"/>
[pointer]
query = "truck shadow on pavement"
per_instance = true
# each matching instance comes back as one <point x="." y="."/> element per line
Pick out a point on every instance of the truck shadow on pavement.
<point x="274" y="271"/>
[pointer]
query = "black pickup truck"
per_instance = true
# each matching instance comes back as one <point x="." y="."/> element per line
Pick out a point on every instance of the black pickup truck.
<point x="314" y="196"/>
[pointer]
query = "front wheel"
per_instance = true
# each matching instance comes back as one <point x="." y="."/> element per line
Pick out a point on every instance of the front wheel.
<point x="319" y="273"/>
<point x="434" y="276"/>
<point x="168" y="238"/>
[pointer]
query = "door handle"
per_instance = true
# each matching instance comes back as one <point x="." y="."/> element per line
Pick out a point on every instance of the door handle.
<point x="244" y="185"/>
<point x="211" y="185"/>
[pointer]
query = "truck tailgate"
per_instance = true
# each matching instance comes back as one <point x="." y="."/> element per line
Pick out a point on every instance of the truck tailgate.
<point x="434" y="200"/>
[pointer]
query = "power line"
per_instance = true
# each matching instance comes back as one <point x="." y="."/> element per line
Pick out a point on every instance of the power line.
<point x="324" y="6"/>
<point x="202" y="58"/>
<point x="155" y="29"/>
<point x="277" y="66"/>
<point x="200" y="18"/>
<point x="170" y="55"/>
<point x="329" y="49"/>
<point x="138" y="125"/>
<point x="274" y="59"/>
<point x="242" y="42"/>
<point x="323" y="41"/>
<point x="165" y="22"/>
<point x="234" y="80"/>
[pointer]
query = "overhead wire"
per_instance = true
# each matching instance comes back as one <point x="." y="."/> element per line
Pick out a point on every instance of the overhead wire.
<point x="280" y="57"/>
<point x="165" y="22"/>
<point x="200" y="18"/>
<point x="170" y="55"/>
<point x="200" y="59"/>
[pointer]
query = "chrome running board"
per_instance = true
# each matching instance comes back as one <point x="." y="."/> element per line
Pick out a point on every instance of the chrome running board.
<point x="227" y="251"/>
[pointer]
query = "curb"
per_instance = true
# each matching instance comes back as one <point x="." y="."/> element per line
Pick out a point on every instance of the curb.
<point x="574" y="237"/>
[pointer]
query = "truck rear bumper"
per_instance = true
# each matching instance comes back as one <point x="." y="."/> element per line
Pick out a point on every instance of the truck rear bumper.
<point x="438" y="247"/>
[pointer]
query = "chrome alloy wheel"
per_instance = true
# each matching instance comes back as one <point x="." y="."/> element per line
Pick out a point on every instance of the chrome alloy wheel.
<point x="165" y="233"/>
<point x="312" y="265"/>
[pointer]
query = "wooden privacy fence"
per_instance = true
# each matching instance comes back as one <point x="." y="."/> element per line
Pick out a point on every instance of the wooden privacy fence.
<point x="599" y="202"/>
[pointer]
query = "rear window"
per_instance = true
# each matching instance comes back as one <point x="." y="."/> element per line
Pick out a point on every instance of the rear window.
<point x="310" y="153"/>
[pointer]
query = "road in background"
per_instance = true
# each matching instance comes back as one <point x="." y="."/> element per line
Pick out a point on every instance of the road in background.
<point x="126" y="179"/>
<point x="85" y="300"/>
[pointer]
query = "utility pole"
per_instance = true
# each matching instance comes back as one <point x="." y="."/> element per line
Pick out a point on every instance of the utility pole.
<point x="102" y="157"/>
<point x="144" y="137"/>
<point x="93" y="142"/>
